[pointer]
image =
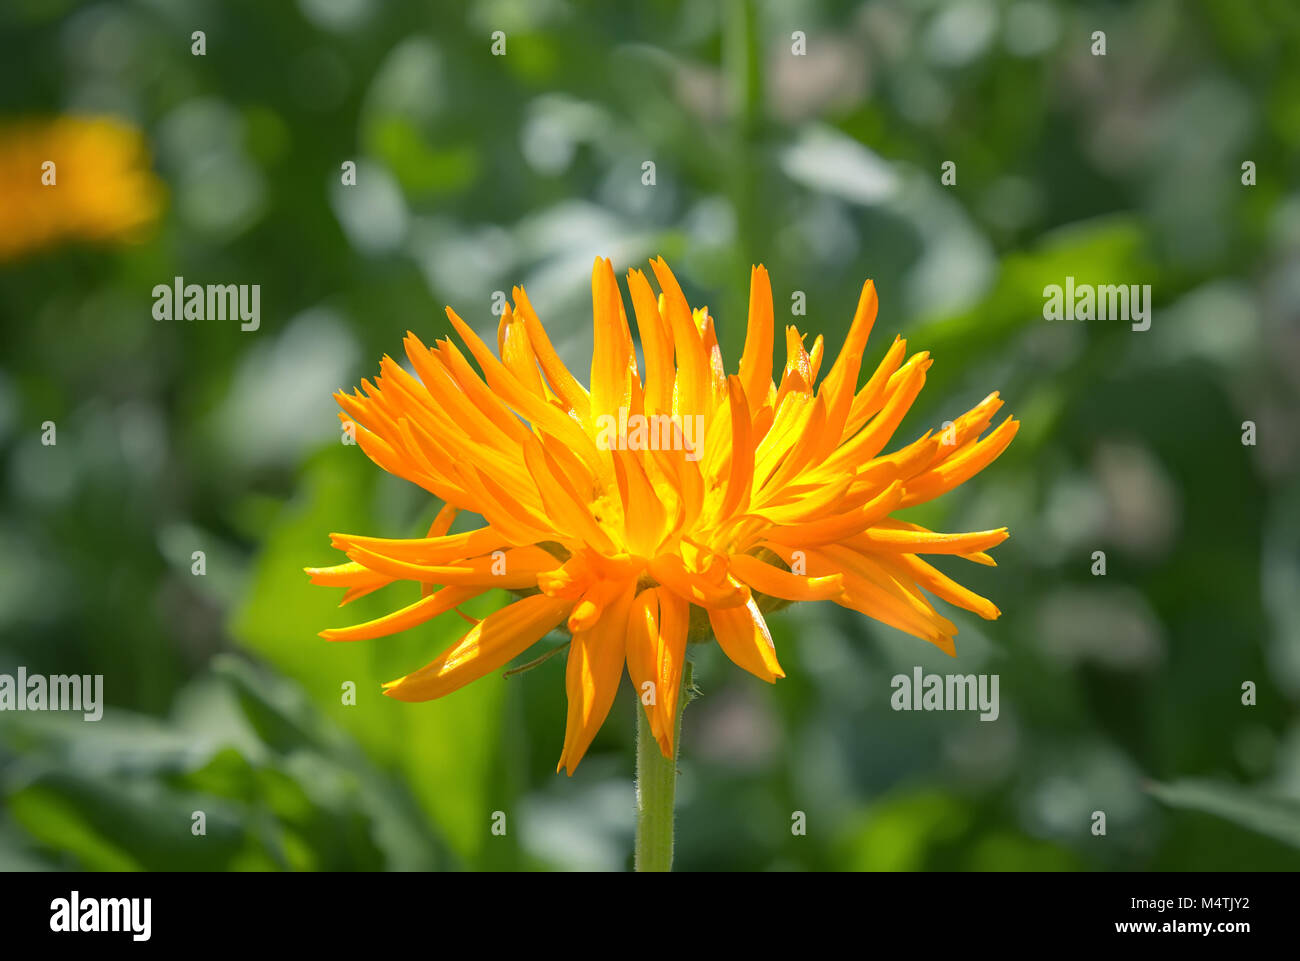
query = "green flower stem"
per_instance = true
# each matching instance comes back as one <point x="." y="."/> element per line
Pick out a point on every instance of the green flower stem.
<point x="656" y="787"/>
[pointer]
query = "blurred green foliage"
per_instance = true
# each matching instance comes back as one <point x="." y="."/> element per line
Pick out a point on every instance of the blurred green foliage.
<point x="1119" y="693"/>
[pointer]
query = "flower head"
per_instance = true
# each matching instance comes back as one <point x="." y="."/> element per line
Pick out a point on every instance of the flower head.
<point x="73" y="178"/>
<point x="631" y="510"/>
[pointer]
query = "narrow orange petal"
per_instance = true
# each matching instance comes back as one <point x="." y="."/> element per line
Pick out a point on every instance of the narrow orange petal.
<point x="642" y="508"/>
<point x="872" y="395"/>
<point x="962" y="466"/>
<point x="927" y="542"/>
<point x="740" y="481"/>
<point x="693" y="373"/>
<point x="776" y="582"/>
<point x="515" y="568"/>
<point x="516" y="351"/>
<point x="674" y="626"/>
<point x="902" y="390"/>
<point x="499" y="637"/>
<point x="422" y="610"/>
<point x="842" y="380"/>
<point x="756" y="361"/>
<point x="656" y="345"/>
<point x="656" y="655"/>
<point x="596" y="658"/>
<point x="839" y="527"/>
<point x="941" y="585"/>
<point x="743" y="636"/>
<point x="613" y="359"/>
<point x="572" y="395"/>
<point x="427" y="550"/>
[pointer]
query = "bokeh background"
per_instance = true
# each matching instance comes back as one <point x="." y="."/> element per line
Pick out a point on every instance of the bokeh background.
<point x="1119" y="693"/>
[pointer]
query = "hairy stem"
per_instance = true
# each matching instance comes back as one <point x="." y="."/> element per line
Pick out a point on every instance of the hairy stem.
<point x="656" y="787"/>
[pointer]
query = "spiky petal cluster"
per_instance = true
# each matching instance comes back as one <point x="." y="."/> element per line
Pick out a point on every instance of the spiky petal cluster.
<point x="784" y="493"/>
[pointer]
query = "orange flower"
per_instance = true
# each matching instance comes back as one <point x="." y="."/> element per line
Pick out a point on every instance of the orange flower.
<point x="629" y="511"/>
<point x="74" y="178"/>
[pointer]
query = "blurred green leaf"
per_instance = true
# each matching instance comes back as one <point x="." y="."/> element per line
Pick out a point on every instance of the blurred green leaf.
<point x="1248" y="807"/>
<point x="897" y="834"/>
<point x="111" y="825"/>
<point x="445" y="750"/>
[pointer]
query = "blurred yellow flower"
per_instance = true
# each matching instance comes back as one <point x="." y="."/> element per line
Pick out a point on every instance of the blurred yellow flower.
<point x="74" y="178"/>
<point x="628" y="511"/>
